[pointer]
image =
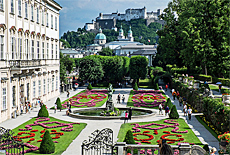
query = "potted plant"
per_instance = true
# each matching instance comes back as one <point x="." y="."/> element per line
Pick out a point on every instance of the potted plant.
<point x="224" y="140"/>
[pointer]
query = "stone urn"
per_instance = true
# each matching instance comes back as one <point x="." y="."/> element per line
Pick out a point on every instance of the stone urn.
<point x="226" y="99"/>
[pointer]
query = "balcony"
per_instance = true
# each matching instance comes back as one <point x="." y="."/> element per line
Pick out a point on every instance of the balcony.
<point x="24" y="63"/>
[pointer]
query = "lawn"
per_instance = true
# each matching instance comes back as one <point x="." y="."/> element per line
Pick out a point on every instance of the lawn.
<point x="145" y="83"/>
<point x="216" y="88"/>
<point x="62" y="143"/>
<point x="144" y="134"/>
<point x="148" y="100"/>
<point x="86" y="98"/>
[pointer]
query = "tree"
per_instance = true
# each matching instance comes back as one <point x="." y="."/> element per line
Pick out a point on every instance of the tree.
<point x="106" y="52"/>
<point x="43" y="112"/>
<point x="89" y="87"/>
<point x="138" y="67"/>
<point x="173" y="113"/>
<point x="58" y="102"/>
<point x="65" y="43"/>
<point x="62" y="69"/>
<point x="47" y="145"/>
<point x="129" y="140"/>
<point x="135" y="87"/>
<point x="90" y="69"/>
<point x="69" y="63"/>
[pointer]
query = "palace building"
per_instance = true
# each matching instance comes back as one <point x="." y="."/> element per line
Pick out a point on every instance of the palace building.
<point x="29" y="53"/>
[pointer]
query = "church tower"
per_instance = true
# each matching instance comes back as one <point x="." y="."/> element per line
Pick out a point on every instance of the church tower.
<point x="130" y="34"/>
<point x="121" y="34"/>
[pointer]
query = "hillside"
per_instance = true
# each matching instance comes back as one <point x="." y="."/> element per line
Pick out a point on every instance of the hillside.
<point x="141" y="33"/>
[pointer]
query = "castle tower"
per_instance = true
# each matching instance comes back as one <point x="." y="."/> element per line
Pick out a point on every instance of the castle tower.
<point x="121" y="34"/>
<point x="130" y="34"/>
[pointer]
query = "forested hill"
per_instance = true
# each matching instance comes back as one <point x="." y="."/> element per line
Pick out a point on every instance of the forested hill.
<point x="141" y="33"/>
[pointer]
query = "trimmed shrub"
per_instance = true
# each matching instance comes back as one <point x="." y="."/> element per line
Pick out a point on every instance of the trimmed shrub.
<point x="168" y="103"/>
<point x="47" y="145"/>
<point x="58" y="102"/>
<point x="43" y="112"/>
<point x="173" y="113"/>
<point x="156" y="86"/>
<point x="89" y="87"/>
<point x="129" y="140"/>
<point x="135" y="87"/>
<point x="205" y="77"/>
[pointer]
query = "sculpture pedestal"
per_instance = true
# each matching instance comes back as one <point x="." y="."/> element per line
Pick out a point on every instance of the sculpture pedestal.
<point x="109" y="105"/>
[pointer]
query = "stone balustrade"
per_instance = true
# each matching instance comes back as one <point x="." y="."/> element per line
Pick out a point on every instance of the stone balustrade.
<point x="184" y="149"/>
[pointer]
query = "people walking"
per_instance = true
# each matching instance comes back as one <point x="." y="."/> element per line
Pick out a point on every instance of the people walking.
<point x="55" y="107"/>
<point x="189" y="113"/>
<point x="180" y="101"/>
<point x="160" y="109"/>
<point x="123" y="99"/>
<point x="174" y="95"/>
<point x="166" y="87"/>
<point x="21" y="108"/>
<point x="177" y="95"/>
<point x="220" y="88"/>
<point x="166" y="111"/>
<point x="119" y="98"/>
<point x="185" y="110"/>
<point x="126" y="116"/>
<point x="184" y="100"/>
<point x="67" y="94"/>
<point x="130" y="113"/>
<point x="70" y="104"/>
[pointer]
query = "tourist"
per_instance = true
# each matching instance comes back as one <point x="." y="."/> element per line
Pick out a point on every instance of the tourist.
<point x="178" y="95"/>
<point x="184" y="100"/>
<point x="67" y="94"/>
<point x="29" y="106"/>
<point x="174" y="95"/>
<point x="126" y="116"/>
<point x="185" y="110"/>
<point x="70" y="102"/>
<point x="67" y="112"/>
<point x="166" y="111"/>
<point x="55" y="108"/>
<point x="213" y="151"/>
<point x="119" y="98"/>
<point x="160" y="109"/>
<point x="166" y="87"/>
<point x="189" y="113"/>
<point x="21" y="108"/>
<point x="166" y="150"/>
<point x="67" y="104"/>
<point x="123" y="99"/>
<point x="130" y="113"/>
<point x="180" y="100"/>
<point x="220" y="88"/>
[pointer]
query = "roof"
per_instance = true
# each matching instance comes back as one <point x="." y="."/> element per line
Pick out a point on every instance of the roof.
<point x="94" y="45"/>
<point x="140" y="46"/>
<point x="69" y="51"/>
<point x="145" y="52"/>
<point x="100" y="36"/>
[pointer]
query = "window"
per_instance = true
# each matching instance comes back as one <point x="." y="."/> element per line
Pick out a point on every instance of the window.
<point x="13" y="96"/>
<point x="55" y="23"/>
<point x="27" y="48"/>
<point x="32" y="12"/>
<point x="2" y="46"/>
<point x="32" y="49"/>
<point x="44" y="86"/>
<point x="1" y="5"/>
<point x="52" y="83"/>
<point x="37" y="15"/>
<point x="43" y="50"/>
<point x="34" y="89"/>
<point x="56" y="52"/>
<point x="26" y="10"/>
<point x="12" y="6"/>
<point x="20" y="47"/>
<point x="39" y="88"/>
<point x="13" y="47"/>
<point x="52" y="51"/>
<point x="47" y="50"/>
<point x="38" y="52"/>
<point x="56" y="82"/>
<point x="47" y="19"/>
<point x="48" y="85"/>
<point x="52" y="24"/>
<point x="3" y="98"/>
<point x="42" y="17"/>
<point x="19" y="7"/>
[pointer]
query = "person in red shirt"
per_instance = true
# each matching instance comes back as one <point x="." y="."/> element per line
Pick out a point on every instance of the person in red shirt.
<point x="166" y="87"/>
<point x="178" y="95"/>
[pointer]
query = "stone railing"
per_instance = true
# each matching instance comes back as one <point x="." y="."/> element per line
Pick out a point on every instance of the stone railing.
<point x="184" y="149"/>
<point x="24" y="63"/>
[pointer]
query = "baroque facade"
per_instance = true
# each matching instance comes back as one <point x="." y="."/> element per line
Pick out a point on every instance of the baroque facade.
<point x="29" y="53"/>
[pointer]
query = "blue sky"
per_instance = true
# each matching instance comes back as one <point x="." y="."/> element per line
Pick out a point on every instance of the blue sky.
<point x="75" y="13"/>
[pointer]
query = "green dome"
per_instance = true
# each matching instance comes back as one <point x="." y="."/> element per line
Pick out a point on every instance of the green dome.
<point x="100" y="36"/>
<point x="130" y="31"/>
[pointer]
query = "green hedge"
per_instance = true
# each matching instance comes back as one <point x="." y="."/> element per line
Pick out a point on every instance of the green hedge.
<point x="205" y="77"/>
<point x="225" y="82"/>
<point x="179" y="70"/>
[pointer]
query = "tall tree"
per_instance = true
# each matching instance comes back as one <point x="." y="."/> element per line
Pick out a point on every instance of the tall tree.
<point x="138" y="67"/>
<point x="62" y="69"/>
<point x="106" y="52"/>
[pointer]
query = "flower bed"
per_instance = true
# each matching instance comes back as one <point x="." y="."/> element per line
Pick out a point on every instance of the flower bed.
<point x="173" y="131"/>
<point x="88" y="98"/>
<point x="62" y="133"/>
<point x="147" y="98"/>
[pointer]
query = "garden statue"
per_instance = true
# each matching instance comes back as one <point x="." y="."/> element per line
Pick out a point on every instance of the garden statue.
<point x="109" y="103"/>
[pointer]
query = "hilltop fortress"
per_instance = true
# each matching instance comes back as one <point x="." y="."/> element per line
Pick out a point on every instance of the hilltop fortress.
<point x="108" y="21"/>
